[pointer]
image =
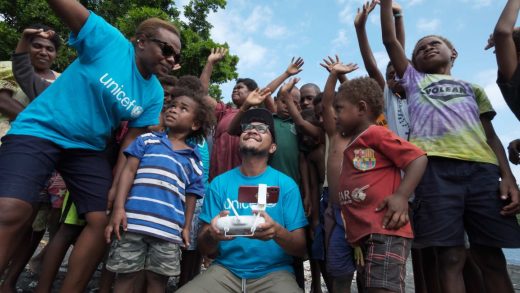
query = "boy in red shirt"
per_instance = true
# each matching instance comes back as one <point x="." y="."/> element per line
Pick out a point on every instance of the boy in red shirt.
<point x="373" y="197"/>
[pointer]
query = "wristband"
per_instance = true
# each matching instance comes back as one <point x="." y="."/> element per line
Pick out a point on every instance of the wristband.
<point x="397" y="15"/>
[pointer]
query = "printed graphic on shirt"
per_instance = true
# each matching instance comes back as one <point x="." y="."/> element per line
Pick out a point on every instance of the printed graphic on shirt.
<point x="120" y="95"/>
<point x="445" y="90"/>
<point x="357" y="195"/>
<point x="364" y="159"/>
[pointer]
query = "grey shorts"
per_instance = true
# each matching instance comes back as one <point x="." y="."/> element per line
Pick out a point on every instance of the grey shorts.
<point x="137" y="252"/>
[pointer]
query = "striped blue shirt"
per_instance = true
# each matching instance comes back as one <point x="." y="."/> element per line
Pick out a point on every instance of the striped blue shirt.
<point x="156" y="203"/>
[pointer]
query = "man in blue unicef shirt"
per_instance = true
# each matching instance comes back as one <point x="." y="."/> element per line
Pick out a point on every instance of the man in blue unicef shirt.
<point x="66" y="128"/>
<point x="263" y="262"/>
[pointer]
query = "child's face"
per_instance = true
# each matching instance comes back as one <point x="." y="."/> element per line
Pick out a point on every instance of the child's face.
<point x="181" y="114"/>
<point x="347" y="116"/>
<point x="281" y="108"/>
<point x="432" y="54"/>
<point x="168" y="90"/>
<point x="391" y="81"/>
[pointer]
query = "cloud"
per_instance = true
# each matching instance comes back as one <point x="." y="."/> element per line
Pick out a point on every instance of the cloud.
<point x="250" y="53"/>
<point x="259" y="16"/>
<point x="414" y="2"/>
<point x="275" y="31"/>
<point x="382" y="60"/>
<point x="487" y="80"/>
<point x="341" y="41"/>
<point x="428" y="25"/>
<point x="225" y="24"/>
<point x="478" y="3"/>
<point x="347" y="14"/>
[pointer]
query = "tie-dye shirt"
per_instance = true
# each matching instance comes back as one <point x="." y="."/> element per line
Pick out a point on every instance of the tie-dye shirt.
<point x="445" y="116"/>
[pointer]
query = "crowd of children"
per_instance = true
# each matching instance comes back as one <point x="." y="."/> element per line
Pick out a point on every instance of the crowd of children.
<point x="125" y="181"/>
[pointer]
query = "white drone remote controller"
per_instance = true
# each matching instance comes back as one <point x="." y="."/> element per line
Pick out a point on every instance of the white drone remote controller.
<point x="244" y="225"/>
<point x="239" y="225"/>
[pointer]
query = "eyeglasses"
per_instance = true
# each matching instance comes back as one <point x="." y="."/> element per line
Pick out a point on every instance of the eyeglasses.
<point x="260" y="128"/>
<point x="168" y="50"/>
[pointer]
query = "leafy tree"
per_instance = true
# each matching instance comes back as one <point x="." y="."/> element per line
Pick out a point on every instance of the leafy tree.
<point x="126" y="15"/>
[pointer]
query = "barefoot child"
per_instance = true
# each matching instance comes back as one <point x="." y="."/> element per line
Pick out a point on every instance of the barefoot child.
<point x="162" y="179"/>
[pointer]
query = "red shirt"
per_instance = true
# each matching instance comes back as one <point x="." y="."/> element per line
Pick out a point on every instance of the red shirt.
<point x="371" y="171"/>
<point x="225" y="153"/>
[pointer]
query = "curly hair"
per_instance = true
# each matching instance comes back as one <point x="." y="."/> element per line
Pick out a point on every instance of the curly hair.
<point x="363" y="89"/>
<point x="249" y="83"/>
<point x="204" y="115"/>
<point x="169" y="80"/>
<point x="443" y="39"/>
<point x="192" y="83"/>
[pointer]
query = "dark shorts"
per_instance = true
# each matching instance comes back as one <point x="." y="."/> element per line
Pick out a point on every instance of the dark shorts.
<point x="340" y="255"/>
<point x="385" y="261"/>
<point x="27" y="162"/>
<point x="318" y="244"/>
<point x="456" y="196"/>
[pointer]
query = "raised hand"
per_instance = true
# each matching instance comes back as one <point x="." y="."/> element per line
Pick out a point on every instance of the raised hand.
<point x="490" y="42"/>
<point x="341" y="68"/>
<point x="256" y="97"/>
<point x="330" y="62"/>
<point x="396" y="8"/>
<point x="32" y="32"/>
<point x="295" y="67"/>
<point x="286" y="88"/>
<point x="362" y="14"/>
<point x="217" y="54"/>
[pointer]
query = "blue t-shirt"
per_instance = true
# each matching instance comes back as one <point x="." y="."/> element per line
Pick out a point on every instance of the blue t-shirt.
<point x="156" y="203"/>
<point x="247" y="257"/>
<point x="102" y="87"/>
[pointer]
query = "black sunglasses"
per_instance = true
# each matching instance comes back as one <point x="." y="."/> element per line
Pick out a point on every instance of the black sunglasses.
<point x="168" y="50"/>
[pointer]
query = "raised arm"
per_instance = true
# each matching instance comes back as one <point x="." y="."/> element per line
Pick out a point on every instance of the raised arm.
<point x="254" y="99"/>
<point x="335" y="69"/>
<point x="305" y="126"/>
<point x="364" y="46"/>
<point x="73" y="14"/>
<point x="214" y="57"/>
<point x="294" y="68"/>
<point x="505" y="49"/>
<point x="399" y="23"/>
<point x="393" y="47"/>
